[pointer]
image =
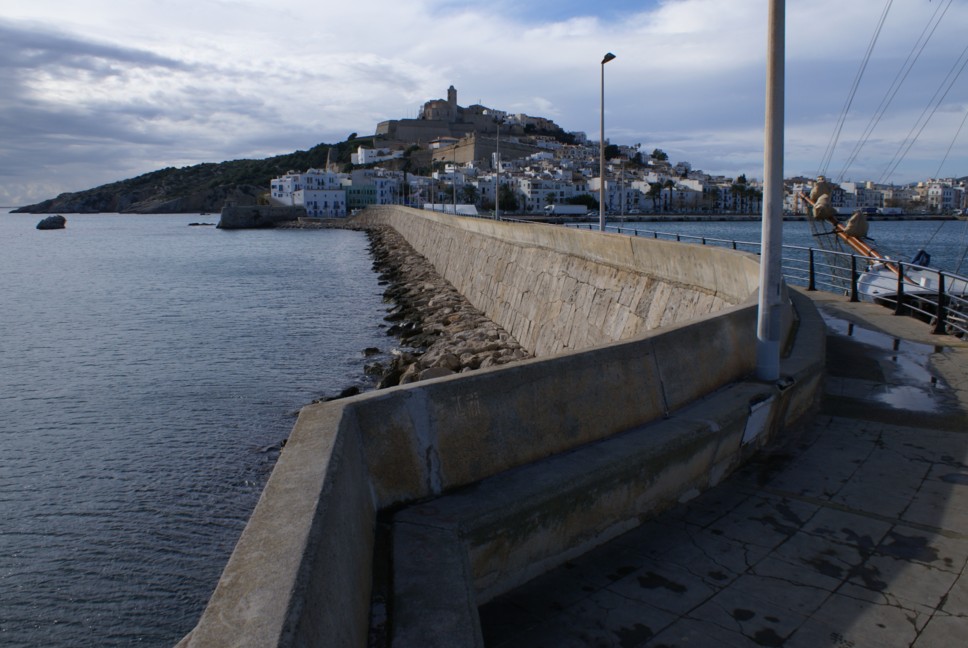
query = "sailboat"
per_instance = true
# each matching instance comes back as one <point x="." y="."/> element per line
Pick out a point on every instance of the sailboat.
<point x="882" y="275"/>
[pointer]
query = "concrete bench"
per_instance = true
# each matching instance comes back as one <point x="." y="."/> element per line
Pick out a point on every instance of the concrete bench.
<point x="456" y="552"/>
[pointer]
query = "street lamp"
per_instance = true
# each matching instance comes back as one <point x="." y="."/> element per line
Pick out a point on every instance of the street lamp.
<point x="497" y="183"/>
<point x="601" y="143"/>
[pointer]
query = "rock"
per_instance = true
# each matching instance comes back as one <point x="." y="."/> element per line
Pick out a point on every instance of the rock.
<point x="443" y="333"/>
<point x="346" y="393"/>
<point x="52" y="222"/>
<point x="435" y="372"/>
<point x="390" y="379"/>
<point x="374" y="369"/>
<point x="410" y="374"/>
<point x="448" y="361"/>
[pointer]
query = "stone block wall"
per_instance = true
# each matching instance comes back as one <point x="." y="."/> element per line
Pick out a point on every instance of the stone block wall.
<point x="556" y="289"/>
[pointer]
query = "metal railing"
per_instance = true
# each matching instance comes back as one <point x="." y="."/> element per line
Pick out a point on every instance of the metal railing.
<point x="840" y="272"/>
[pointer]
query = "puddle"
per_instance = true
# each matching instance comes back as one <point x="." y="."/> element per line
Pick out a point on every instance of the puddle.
<point x="921" y="390"/>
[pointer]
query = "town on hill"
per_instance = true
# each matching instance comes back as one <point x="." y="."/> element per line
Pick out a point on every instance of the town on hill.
<point x="477" y="158"/>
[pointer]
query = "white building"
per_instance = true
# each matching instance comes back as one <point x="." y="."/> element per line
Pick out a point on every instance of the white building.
<point x="942" y="196"/>
<point x="322" y="203"/>
<point x="319" y="192"/>
<point x="371" y="156"/>
<point x="539" y="192"/>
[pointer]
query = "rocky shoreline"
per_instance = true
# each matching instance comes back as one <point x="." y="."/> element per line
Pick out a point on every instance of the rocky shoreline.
<point x="439" y="331"/>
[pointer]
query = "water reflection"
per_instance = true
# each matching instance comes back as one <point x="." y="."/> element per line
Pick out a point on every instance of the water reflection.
<point x="913" y="384"/>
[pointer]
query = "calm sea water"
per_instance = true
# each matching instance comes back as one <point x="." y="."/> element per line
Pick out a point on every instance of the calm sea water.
<point x="145" y="367"/>
<point x="946" y="241"/>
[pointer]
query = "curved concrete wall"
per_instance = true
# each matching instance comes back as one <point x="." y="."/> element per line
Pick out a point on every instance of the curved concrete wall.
<point x="555" y="288"/>
<point x="301" y="572"/>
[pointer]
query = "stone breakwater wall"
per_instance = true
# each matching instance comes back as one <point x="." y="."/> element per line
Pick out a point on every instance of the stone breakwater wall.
<point x="441" y="332"/>
<point x="555" y="289"/>
<point x="492" y="476"/>
<point x="256" y="216"/>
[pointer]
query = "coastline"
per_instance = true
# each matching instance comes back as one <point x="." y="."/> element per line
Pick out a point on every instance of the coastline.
<point x="312" y="223"/>
<point x="439" y="331"/>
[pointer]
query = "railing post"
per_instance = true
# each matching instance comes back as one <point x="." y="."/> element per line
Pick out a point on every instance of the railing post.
<point x="939" y="324"/>
<point x="899" y="297"/>
<point x="812" y="284"/>
<point x="853" y="278"/>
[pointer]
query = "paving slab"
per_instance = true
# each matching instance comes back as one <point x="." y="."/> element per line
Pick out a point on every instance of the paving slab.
<point x="852" y="533"/>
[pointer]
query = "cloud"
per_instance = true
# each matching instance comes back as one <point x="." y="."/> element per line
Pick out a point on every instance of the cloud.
<point x="134" y="86"/>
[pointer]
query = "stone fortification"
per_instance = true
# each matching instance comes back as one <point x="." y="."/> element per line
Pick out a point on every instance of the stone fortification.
<point x="555" y="289"/>
<point x="254" y="216"/>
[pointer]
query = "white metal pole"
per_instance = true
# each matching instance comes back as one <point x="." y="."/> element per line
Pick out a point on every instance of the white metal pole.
<point x="769" y="319"/>
<point x="601" y="157"/>
<point x="497" y="184"/>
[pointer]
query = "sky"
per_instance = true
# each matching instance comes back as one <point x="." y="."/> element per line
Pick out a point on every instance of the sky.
<point x="102" y="90"/>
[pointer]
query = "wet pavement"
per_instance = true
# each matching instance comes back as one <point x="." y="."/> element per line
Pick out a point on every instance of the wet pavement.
<point x="852" y="532"/>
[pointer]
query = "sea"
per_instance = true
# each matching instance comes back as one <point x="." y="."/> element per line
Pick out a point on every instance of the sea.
<point x="150" y="369"/>
<point x="945" y="240"/>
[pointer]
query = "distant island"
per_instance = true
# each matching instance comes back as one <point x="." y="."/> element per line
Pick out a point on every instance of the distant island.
<point x="191" y="189"/>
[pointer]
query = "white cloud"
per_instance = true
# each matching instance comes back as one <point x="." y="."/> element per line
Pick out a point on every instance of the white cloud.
<point x="138" y="85"/>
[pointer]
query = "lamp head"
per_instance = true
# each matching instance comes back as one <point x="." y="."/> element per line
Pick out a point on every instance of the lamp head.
<point x="608" y="57"/>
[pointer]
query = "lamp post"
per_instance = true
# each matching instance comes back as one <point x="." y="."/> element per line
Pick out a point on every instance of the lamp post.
<point x="497" y="184"/>
<point x="601" y="169"/>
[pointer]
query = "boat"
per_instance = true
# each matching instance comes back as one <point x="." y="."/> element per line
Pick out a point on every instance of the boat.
<point x="871" y="274"/>
<point x="884" y="275"/>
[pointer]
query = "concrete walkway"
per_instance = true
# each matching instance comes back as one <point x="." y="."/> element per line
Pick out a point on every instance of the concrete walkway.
<point x="851" y="533"/>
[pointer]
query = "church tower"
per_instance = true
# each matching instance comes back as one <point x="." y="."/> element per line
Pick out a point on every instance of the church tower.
<point x="452" y="100"/>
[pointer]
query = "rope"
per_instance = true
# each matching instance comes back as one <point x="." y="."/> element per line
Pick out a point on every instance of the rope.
<point x="950" y="79"/>
<point x="916" y="50"/>
<point x="828" y="154"/>
<point x="937" y="174"/>
<point x="964" y="248"/>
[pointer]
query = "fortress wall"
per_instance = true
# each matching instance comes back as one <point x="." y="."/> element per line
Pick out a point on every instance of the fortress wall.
<point x="555" y="288"/>
<point x="253" y="216"/>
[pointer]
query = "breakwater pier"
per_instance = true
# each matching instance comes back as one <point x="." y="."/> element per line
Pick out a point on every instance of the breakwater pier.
<point x="851" y="531"/>
<point x="460" y="491"/>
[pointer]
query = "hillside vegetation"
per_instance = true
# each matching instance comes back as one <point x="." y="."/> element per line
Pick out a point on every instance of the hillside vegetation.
<point x="199" y="188"/>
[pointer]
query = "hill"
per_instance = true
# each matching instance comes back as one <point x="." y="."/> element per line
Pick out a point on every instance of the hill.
<point x="192" y="189"/>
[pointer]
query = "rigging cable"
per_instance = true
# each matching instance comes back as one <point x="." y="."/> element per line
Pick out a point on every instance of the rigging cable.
<point x="909" y="141"/>
<point x="835" y="137"/>
<point x="916" y="50"/>
<point x="937" y="174"/>
<point x="964" y="248"/>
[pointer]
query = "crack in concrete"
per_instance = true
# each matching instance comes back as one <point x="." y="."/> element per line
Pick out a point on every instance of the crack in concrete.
<point x="844" y="508"/>
<point x="938" y="611"/>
